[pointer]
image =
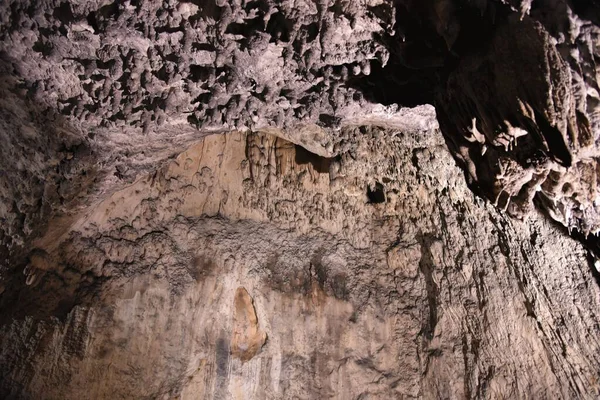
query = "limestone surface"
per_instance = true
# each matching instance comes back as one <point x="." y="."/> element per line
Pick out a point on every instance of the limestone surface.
<point x="299" y="199"/>
<point x="248" y="267"/>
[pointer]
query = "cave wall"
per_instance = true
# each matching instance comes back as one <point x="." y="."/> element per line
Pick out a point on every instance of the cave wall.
<point x="514" y="84"/>
<point x="248" y="267"/>
<point x="275" y="199"/>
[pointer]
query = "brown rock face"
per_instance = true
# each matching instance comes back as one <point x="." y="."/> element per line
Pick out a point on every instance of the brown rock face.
<point x="260" y="199"/>
<point x="367" y="284"/>
<point x="247" y="339"/>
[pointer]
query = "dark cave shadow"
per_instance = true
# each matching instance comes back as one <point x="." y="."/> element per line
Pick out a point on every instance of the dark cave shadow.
<point x="54" y="138"/>
<point x="419" y="58"/>
<point x="420" y="65"/>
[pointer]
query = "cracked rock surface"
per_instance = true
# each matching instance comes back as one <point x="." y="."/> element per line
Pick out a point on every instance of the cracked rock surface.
<point x="279" y="199"/>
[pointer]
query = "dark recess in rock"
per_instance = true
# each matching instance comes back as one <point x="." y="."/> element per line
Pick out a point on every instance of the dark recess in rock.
<point x="376" y="195"/>
<point x="319" y="163"/>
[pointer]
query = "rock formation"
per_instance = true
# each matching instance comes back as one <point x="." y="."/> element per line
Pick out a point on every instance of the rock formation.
<point x="287" y="199"/>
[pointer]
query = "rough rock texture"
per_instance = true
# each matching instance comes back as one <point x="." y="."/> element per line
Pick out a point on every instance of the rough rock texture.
<point x="248" y="267"/>
<point x="129" y="83"/>
<point x="522" y="113"/>
<point x="514" y="82"/>
<point x="251" y="199"/>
